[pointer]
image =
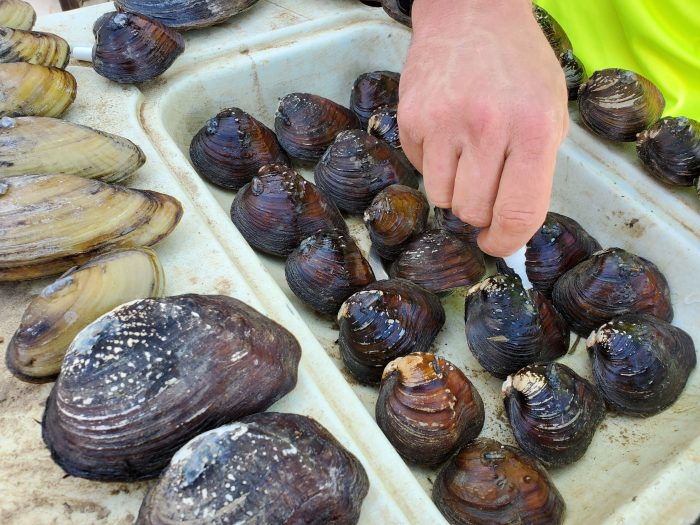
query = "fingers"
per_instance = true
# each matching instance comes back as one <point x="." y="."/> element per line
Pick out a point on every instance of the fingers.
<point x="439" y="166"/>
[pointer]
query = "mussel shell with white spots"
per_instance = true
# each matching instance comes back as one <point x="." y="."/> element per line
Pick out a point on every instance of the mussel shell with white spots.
<point x="150" y="375"/>
<point x="267" y="468"/>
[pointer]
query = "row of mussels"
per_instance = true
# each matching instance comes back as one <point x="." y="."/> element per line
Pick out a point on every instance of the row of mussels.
<point x="427" y="407"/>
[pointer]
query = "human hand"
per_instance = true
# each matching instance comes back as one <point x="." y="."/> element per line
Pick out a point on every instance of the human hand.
<point x="482" y="112"/>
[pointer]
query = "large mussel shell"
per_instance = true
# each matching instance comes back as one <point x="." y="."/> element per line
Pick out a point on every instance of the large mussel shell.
<point x="617" y="104"/>
<point x="186" y="14"/>
<point x="574" y="72"/>
<point x="307" y="124"/>
<point x="446" y="220"/>
<point x="17" y="14"/>
<point x="51" y="223"/>
<point x="384" y="124"/>
<point x="267" y="468"/>
<point x="372" y="91"/>
<point x="132" y="48"/>
<point x="509" y="327"/>
<point x="396" y="215"/>
<point x="44" y="49"/>
<point x="77" y="298"/>
<point x="399" y="10"/>
<point x="386" y="320"/>
<point x="29" y="89"/>
<point x="440" y="262"/>
<point x="640" y="363"/>
<point x="233" y="146"/>
<point x="279" y="208"/>
<point x="670" y="150"/>
<point x="559" y="245"/>
<point x="609" y="284"/>
<point x="356" y="167"/>
<point x="43" y="145"/>
<point x="491" y="483"/>
<point x="427" y="408"/>
<point x="555" y="34"/>
<point x="553" y="412"/>
<point x="326" y="269"/>
<point x="150" y="375"/>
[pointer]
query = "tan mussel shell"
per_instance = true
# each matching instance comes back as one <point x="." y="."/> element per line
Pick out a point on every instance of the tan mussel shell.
<point x="30" y="89"/>
<point x="42" y="145"/>
<point x="44" y="49"/>
<point x="76" y="299"/>
<point x="17" y="14"/>
<point x="50" y="223"/>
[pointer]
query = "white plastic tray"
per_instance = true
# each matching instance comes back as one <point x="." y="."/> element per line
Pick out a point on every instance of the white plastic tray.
<point x="636" y="471"/>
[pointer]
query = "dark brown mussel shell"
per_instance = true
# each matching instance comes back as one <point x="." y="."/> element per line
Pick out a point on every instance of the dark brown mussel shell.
<point x="427" y="408"/>
<point x="307" y="124"/>
<point x="326" y="269"/>
<point x="555" y="34"/>
<point x="609" y="284"/>
<point x="574" y="72"/>
<point x="279" y="208"/>
<point x="356" y="167"/>
<point x="488" y="483"/>
<point x="397" y="215"/>
<point x="440" y="262"/>
<point x="386" y="320"/>
<point x="618" y="103"/>
<point x="267" y="468"/>
<point x="372" y="91"/>
<point x="670" y="150"/>
<point x="509" y="327"/>
<point x="152" y="374"/>
<point x="446" y="220"/>
<point x="186" y="14"/>
<point x="132" y="48"/>
<point x="384" y="124"/>
<point x="553" y="412"/>
<point x="559" y="245"/>
<point x="399" y="10"/>
<point x="232" y="147"/>
<point x="640" y="363"/>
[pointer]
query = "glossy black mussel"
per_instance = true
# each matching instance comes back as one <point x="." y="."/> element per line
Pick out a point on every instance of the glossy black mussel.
<point x="132" y="48"/>
<point x="509" y="327"/>
<point x="670" y="150"/>
<point x="279" y="208"/>
<point x="326" y="269"/>
<point x="396" y="216"/>
<point x="640" y="363"/>
<point x="266" y="468"/>
<point x="384" y="124"/>
<point x="559" y="245"/>
<point x="611" y="283"/>
<point x="555" y="34"/>
<point x="232" y="147"/>
<point x="574" y="72"/>
<point x="356" y="167"/>
<point x="386" y="320"/>
<point x="372" y="91"/>
<point x="491" y="483"/>
<point x="440" y="262"/>
<point x="427" y="408"/>
<point x="446" y="220"/>
<point x="307" y="124"/>
<point x="131" y="393"/>
<point x="399" y="10"/>
<point x="553" y="412"/>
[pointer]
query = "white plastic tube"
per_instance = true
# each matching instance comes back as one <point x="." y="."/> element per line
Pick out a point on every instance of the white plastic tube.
<point x="81" y="51"/>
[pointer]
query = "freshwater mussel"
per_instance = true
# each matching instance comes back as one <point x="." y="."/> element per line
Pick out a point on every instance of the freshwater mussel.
<point x="428" y="408"/>
<point x="491" y="483"/>
<point x="574" y="72"/>
<point x="307" y="124"/>
<point x="265" y="468"/>
<point x="386" y="320"/>
<point x="279" y="208"/>
<point x="131" y="389"/>
<point x="232" y="147"/>
<point x="17" y="14"/>
<point x="43" y="145"/>
<point x="640" y="363"/>
<point x="186" y="14"/>
<point x="132" y="48"/>
<point x="553" y="31"/>
<point x="394" y="218"/>
<point x="618" y="103"/>
<point x="399" y="10"/>
<point x="326" y="269"/>
<point x="30" y="89"/>
<point x="440" y="262"/>
<point x="373" y="90"/>
<point x="611" y="283"/>
<point x="509" y="327"/>
<point x="670" y="150"/>
<point x="44" y="49"/>
<point x="66" y="306"/>
<point x="559" y="245"/>
<point x="444" y="219"/>
<point x="384" y="124"/>
<point x="553" y="412"/>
